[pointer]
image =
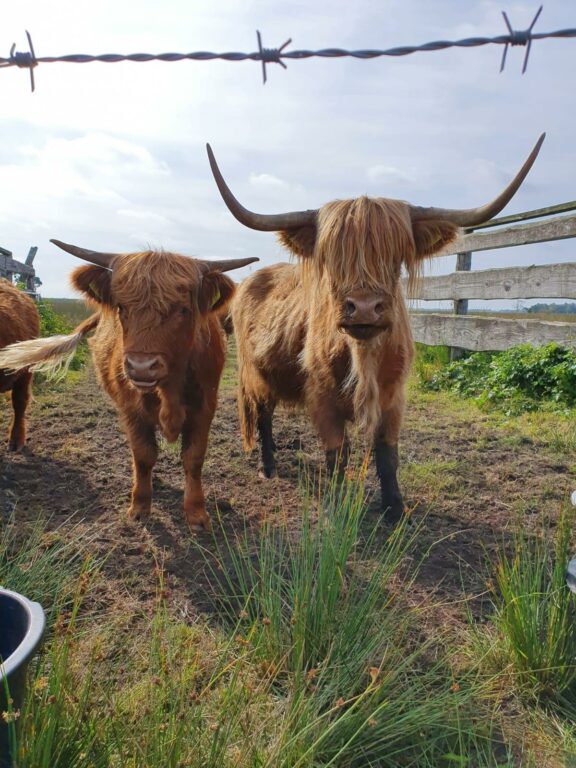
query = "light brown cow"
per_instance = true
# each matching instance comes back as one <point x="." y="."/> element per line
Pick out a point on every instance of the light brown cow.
<point x="159" y="350"/>
<point x="332" y="332"/>
<point x="18" y="321"/>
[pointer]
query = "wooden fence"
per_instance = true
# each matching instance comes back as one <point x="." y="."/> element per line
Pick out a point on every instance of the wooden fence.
<point x="549" y="281"/>
<point x="10" y="267"/>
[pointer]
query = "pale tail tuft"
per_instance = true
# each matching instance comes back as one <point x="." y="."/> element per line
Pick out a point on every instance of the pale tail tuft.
<point x="50" y="354"/>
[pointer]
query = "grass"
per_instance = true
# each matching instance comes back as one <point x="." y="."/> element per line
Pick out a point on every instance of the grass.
<point x="316" y="661"/>
<point x="534" y="617"/>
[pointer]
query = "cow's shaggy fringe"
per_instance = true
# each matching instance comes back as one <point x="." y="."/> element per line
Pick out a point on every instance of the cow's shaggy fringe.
<point x="362" y="243"/>
<point x="166" y="281"/>
<point x="48" y="355"/>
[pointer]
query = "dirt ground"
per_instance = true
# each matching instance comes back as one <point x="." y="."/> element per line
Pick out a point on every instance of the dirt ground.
<point x="466" y="475"/>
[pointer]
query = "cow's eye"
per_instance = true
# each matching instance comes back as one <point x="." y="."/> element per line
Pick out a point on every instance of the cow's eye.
<point x="184" y="311"/>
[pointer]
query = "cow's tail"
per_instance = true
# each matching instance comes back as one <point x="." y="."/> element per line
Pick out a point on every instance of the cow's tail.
<point x="49" y="354"/>
<point x="248" y="414"/>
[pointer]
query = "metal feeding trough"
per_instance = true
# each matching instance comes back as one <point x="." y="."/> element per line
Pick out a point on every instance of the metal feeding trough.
<point x="21" y="628"/>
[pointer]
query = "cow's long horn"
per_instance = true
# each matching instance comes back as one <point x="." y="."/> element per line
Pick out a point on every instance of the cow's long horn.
<point x="470" y="217"/>
<point x="94" y="257"/>
<point x="260" y="221"/>
<point x="226" y="264"/>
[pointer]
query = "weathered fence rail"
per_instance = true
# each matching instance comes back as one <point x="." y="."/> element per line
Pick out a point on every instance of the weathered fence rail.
<point x="547" y="281"/>
<point x="10" y="267"/>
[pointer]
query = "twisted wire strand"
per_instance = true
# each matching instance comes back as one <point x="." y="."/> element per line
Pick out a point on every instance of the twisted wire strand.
<point x="28" y="60"/>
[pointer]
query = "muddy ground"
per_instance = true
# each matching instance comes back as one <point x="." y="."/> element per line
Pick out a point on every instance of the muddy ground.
<point x="469" y="477"/>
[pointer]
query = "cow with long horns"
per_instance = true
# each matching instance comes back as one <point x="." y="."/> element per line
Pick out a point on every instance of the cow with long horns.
<point x="332" y="331"/>
<point x="158" y="349"/>
<point x="18" y="321"/>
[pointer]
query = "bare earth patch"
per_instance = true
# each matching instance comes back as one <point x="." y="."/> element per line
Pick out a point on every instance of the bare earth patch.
<point x="467" y="475"/>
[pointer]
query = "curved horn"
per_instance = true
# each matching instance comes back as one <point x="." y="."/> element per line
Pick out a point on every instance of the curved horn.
<point x="226" y="264"/>
<point x="262" y="222"/>
<point x="470" y="217"/>
<point x="94" y="257"/>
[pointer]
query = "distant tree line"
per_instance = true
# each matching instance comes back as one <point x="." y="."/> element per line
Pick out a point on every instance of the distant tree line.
<point x="568" y="308"/>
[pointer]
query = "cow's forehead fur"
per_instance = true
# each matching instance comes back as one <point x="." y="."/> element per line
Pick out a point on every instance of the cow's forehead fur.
<point x="155" y="281"/>
<point x="363" y="243"/>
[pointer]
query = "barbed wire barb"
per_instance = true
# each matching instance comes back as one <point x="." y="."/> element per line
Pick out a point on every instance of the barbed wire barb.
<point x="270" y="55"/>
<point x="23" y="60"/>
<point x="519" y="37"/>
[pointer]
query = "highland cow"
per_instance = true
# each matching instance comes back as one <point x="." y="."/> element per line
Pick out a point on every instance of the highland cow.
<point x="332" y="332"/>
<point x="158" y="350"/>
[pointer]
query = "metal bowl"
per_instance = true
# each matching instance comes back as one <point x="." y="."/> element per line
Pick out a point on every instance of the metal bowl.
<point x="22" y="625"/>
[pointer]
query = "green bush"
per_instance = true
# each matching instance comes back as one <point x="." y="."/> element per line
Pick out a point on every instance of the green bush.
<point x="518" y="380"/>
<point x="53" y="324"/>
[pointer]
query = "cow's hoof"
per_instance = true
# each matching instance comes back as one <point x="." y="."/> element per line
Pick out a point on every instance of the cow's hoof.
<point x="15" y="445"/>
<point x="393" y="512"/>
<point x="267" y="473"/>
<point x="139" y="511"/>
<point x="197" y="523"/>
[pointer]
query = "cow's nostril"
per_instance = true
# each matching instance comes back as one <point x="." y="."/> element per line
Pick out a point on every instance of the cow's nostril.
<point x="349" y="307"/>
<point x="379" y="308"/>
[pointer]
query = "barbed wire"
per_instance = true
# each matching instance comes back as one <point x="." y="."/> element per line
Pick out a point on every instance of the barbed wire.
<point x="29" y="60"/>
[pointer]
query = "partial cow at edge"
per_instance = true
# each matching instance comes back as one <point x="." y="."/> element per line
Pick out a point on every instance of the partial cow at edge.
<point x="332" y="331"/>
<point x="158" y="349"/>
<point x="19" y="321"/>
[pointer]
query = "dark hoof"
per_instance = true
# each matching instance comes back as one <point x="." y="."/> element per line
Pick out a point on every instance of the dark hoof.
<point x="393" y="511"/>
<point x="267" y="473"/>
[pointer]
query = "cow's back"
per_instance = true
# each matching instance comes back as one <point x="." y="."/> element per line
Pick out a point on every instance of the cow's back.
<point x="19" y="319"/>
<point x="269" y="313"/>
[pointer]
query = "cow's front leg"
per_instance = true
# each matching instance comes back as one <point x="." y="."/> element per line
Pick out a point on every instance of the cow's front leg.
<point x="142" y="438"/>
<point x="386" y="459"/>
<point x="331" y="426"/>
<point x="20" y="397"/>
<point x="194" y="445"/>
<point x="267" y="447"/>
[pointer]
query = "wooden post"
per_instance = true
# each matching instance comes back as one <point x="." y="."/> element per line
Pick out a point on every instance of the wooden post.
<point x="31" y="254"/>
<point x="463" y="264"/>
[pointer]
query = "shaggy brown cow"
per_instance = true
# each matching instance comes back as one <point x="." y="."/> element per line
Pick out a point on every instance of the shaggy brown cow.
<point x="332" y="332"/>
<point x="18" y="321"/>
<point x="159" y="349"/>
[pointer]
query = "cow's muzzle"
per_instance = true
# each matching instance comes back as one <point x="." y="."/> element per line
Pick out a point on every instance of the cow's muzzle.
<point x="362" y="332"/>
<point x="145" y="370"/>
<point x="364" y="314"/>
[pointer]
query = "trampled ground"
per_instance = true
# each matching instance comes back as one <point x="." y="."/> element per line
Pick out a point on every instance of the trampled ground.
<point x="469" y="474"/>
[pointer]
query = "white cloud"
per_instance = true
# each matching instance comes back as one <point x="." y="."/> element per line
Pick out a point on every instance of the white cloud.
<point x="267" y="181"/>
<point x="388" y="173"/>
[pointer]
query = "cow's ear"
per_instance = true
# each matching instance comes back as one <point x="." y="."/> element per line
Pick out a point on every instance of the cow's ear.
<point x="301" y="241"/>
<point x="216" y="290"/>
<point x="431" y="236"/>
<point x="94" y="282"/>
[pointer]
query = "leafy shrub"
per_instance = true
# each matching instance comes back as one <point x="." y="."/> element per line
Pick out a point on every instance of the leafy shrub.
<point x="519" y="379"/>
<point x="53" y="324"/>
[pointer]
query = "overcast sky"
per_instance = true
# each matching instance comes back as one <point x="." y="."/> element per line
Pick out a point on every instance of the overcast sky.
<point x="111" y="156"/>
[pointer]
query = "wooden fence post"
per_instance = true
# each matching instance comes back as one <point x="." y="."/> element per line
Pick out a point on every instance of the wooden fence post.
<point x="463" y="264"/>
